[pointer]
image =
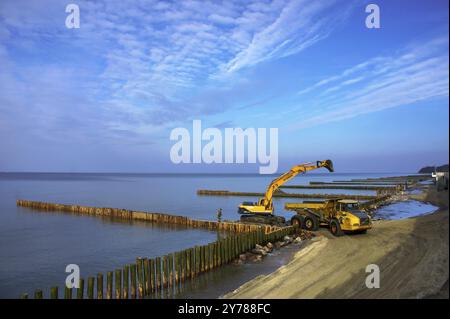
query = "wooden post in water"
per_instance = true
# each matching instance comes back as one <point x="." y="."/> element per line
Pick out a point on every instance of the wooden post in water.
<point x="171" y="271"/>
<point x="188" y="263"/>
<point x="247" y="241"/>
<point x="133" y="280"/>
<point x="146" y="277"/>
<point x="126" y="281"/>
<point x="54" y="293"/>
<point x="230" y="248"/>
<point x="211" y="255"/>
<point x="183" y="267"/>
<point x="253" y="239"/>
<point x="90" y="288"/>
<point x="207" y="256"/>
<point x="233" y="247"/>
<point x="140" y="276"/>
<point x="257" y="237"/>
<point x="226" y="248"/>
<point x="202" y="259"/>
<point x="197" y="260"/>
<point x="118" y="283"/>
<point x="152" y="275"/>
<point x="216" y="254"/>
<point x="67" y="293"/>
<point x="192" y="262"/>
<point x="109" y="285"/>
<point x="239" y="244"/>
<point x="80" y="289"/>
<point x="164" y="271"/>
<point x="99" y="286"/>
<point x="158" y="273"/>
<point x="185" y="272"/>
<point x="38" y="294"/>
<point x="177" y="267"/>
<point x="219" y="252"/>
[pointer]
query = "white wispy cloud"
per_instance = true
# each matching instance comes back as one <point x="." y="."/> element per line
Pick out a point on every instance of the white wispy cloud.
<point x="153" y="58"/>
<point x="418" y="72"/>
<point x="298" y="25"/>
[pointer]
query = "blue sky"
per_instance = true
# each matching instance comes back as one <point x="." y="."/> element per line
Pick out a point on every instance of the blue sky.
<point x="106" y="96"/>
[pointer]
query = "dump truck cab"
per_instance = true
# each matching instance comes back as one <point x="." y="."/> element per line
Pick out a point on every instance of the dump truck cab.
<point x="350" y="216"/>
<point x="340" y="215"/>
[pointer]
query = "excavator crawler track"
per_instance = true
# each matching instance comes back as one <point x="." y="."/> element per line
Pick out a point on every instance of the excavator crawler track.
<point x="264" y="219"/>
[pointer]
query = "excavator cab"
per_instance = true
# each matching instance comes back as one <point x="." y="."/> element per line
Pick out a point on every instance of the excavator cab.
<point x="255" y="208"/>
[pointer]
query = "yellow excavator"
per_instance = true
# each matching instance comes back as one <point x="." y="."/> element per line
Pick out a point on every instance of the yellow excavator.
<point x="262" y="211"/>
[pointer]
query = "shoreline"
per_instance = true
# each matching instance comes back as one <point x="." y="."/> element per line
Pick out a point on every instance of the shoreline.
<point x="412" y="255"/>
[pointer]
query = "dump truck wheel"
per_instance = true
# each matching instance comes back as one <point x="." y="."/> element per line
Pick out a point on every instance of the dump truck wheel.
<point x="335" y="228"/>
<point x="297" y="221"/>
<point x="310" y="223"/>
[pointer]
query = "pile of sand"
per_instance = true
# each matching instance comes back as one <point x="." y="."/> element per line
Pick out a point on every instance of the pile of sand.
<point x="412" y="255"/>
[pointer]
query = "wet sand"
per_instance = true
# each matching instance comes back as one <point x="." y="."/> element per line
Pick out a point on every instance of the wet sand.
<point x="412" y="255"/>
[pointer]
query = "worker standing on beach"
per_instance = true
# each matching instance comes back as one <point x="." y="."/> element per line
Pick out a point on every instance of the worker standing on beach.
<point x="219" y="215"/>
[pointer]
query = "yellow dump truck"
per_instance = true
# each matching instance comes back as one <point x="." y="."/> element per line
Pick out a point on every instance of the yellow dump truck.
<point x="340" y="215"/>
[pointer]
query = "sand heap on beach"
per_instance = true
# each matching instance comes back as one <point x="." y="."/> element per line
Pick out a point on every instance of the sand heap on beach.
<point x="412" y="254"/>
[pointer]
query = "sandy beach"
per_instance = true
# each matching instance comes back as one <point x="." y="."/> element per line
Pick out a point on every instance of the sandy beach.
<point x="412" y="255"/>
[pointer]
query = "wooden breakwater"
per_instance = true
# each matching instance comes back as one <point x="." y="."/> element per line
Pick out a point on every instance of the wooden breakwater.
<point x="374" y="183"/>
<point x="371" y="203"/>
<point x="399" y="179"/>
<point x="162" y="276"/>
<point x="144" y="216"/>
<point x="400" y="182"/>
<point x="349" y="187"/>
<point x="398" y="186"/>
<point x="281" y="194"/>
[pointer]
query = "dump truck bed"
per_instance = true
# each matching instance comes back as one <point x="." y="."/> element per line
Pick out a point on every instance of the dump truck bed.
<point x="310" y="205"/>
<point x="296" y="206"/>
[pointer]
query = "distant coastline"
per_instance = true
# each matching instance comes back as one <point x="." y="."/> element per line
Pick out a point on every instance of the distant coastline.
<point x="431" y="169"/>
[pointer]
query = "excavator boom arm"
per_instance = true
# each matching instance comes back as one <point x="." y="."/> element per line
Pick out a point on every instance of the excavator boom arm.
<point x="302" y="168"/>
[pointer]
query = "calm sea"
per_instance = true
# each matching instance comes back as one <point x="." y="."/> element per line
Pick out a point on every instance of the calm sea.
<point x="35" y="247"/>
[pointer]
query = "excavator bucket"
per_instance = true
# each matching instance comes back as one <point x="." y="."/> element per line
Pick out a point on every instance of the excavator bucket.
<point x="328" y="164"/>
